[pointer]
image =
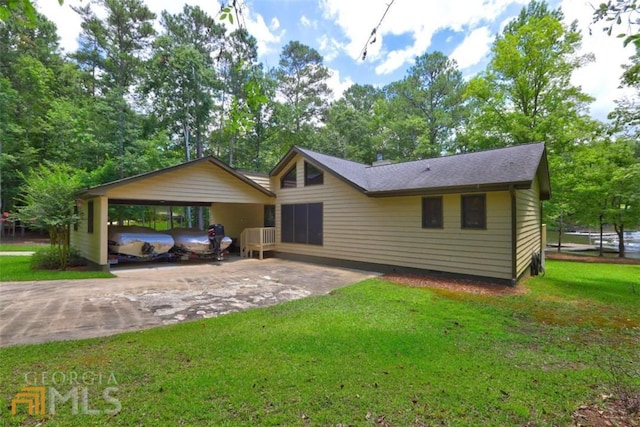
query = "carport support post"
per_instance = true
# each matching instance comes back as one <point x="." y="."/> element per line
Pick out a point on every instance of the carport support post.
<point x="103" y="229"/>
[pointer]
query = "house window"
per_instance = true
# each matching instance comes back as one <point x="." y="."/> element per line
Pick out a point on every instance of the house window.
<point x="312" y="175"/>
<point x="269" y="215"/>
<point x="289" y="179"/>
<point x="474" y="211"/>
<point x="432" y="212"/>
<point x="90" y="217"/>
<point x="301" y="223"/>
<point x="286" y="223"/>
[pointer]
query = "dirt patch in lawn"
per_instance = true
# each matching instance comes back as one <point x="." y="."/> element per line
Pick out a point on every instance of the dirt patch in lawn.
<point x="456" y="285"/>
<point x="612" y="413"/>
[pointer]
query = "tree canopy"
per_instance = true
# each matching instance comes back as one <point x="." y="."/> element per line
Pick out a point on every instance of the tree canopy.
<point x="143" y="92"/>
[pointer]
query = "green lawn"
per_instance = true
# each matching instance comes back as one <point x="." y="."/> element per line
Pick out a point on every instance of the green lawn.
<point x="22" y="247"/>
<point x="368" y="354"/>
<point x="18" y="268"/>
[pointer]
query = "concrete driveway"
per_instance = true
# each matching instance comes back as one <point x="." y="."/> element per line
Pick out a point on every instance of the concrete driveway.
<point x="147" y="296"/>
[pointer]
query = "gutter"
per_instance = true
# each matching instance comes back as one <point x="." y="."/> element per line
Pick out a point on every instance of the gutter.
<point x="468" y="188"/>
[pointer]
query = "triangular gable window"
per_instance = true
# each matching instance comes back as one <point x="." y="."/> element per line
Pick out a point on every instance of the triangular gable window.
<point x="289" y="179"/>
<point x="312" y="175"/>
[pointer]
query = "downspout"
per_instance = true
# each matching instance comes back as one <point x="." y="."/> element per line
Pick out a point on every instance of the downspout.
<point x="543" y="236"/>
<point x="514" y="273"/>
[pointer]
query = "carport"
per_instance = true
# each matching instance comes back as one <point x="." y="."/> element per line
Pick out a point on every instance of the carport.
<point x="234" y="199"/>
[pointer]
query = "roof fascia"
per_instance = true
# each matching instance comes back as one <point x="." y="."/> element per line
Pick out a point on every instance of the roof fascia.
<point x="284" y="161"/>
<point x="291" y="154"/>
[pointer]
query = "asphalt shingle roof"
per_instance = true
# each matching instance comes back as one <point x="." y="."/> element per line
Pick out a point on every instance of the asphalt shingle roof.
<point x="517" y="165"/>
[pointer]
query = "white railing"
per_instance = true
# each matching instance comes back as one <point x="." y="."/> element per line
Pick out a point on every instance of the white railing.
<point x="257" y="239"/>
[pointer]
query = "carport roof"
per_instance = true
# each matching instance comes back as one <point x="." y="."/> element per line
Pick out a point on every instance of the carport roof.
<point x="101" y="189"/>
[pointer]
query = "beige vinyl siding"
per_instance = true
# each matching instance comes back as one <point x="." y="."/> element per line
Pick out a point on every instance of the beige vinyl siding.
<point x="237" y="217"/>
<point x="528" y="222"/>
<point x="389" y="230"/>
<point x="89" y="244"/>
<point x="260" y="179"/>
<point x="199" y="183"/>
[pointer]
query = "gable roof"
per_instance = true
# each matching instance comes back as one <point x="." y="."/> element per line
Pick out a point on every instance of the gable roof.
<point x="100" y="189"/>
<point x="497" y="169"/>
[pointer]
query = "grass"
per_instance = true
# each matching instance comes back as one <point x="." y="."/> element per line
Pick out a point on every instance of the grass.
<point x="18" y="268"/>
<point x="22" y="247"/>
<point x="371" y="353"/>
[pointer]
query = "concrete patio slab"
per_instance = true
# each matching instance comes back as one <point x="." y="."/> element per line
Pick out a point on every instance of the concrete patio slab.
<point x="144" y="296"/>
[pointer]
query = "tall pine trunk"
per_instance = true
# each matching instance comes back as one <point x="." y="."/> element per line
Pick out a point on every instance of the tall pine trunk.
<point x="620" y="232"/>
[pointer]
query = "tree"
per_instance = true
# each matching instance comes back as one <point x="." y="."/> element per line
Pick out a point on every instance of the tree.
<point x="120" y="41"/>
<point x="624" y="191"/>
<point x="403" y="134"/>
<point x="36" y="88"/>
<point x="263" y="134"/>
<point x="193" y="31"/>
<point x="23" y="10"/>
<point x="559" y="211"/>
<point x="48" y="203"/>
<point x="613" y="13"/>
<point x="12" y="153"/>
<point x="302" y="85"/>
<point x="604" y="186"/>
<point x="433" y="92"/>
<point x="180" y="83"/>
<point x="352" y="125"/>
<point x="589" y="183"/>
<point x="526" y="95"/>
<point x="242" y="99"/>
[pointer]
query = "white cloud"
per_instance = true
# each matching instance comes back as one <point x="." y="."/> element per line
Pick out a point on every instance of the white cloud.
<point x="474" y="48"/>
<point x="330" y="48"/>
<point x="601" y="78"/>
<point x="275" y="24"/>
<point x="396" y="59"/>
<point x="267" y="36"/>
<point x="405" y="17"/>
<point x="306" y="22"/>
<point x="64" y="14"/>
<point x="338" y="86"/>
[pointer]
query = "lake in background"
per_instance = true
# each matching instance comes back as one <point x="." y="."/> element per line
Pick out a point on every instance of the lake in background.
<point x="609" y="241"/>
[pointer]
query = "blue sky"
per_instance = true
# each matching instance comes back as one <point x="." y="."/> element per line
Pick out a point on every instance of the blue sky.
<point x="339" y="29"/>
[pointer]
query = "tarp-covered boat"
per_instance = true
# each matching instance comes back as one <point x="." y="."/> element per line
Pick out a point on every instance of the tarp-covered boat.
<point x="191" y="240"/>
<point x="136" y="243"/>
<point x="139" y="241"/>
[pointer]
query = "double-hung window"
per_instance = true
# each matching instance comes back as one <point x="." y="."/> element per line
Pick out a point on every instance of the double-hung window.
<point x="474" y="211"/>
<point x="432" y="212"/>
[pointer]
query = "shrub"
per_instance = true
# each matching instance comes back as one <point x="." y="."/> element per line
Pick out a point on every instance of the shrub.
<point x="49" y="258"/>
